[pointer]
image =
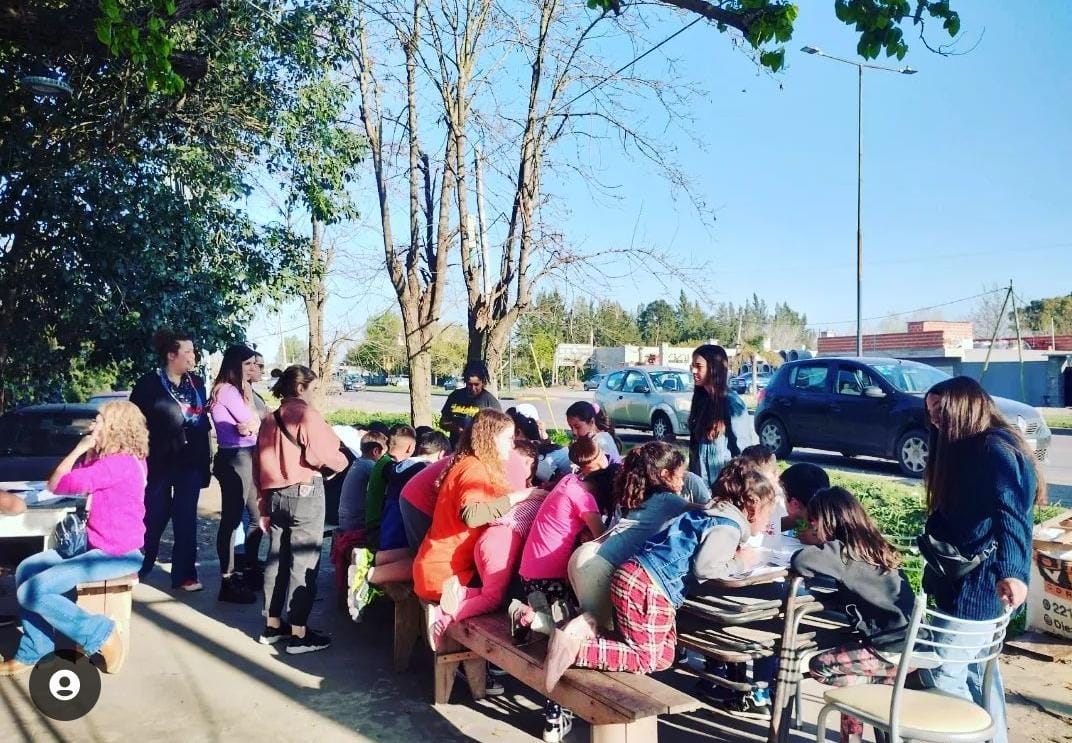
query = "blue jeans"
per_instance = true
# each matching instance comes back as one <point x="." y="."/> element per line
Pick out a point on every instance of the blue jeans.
<point x="172" y="495"/>
<point x="966" y="680"/>
<point x="42" y="581"/>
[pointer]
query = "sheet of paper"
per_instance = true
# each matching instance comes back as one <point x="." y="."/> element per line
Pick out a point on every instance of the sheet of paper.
<point x="21" y="486"/>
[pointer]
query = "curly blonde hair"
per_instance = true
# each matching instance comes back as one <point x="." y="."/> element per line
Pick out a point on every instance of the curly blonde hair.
<point x="478" y="440"/>
<point x="122" y="430"/>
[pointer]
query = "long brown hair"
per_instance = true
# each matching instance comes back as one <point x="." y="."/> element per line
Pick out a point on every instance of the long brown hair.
<point x="232" y="373"/>
<point x="748" y="488"/>
<point x="967" y="416"/>
<point x="641" y="476"/>
<point x="708" y="413"/>
<point x="837" y="514"/>
<point x="478" y="440"/>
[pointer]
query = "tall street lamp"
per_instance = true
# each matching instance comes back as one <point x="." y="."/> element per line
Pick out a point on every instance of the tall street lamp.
<point x="859" y="173"/>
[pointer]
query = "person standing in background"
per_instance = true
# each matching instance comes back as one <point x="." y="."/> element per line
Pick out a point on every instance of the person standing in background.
<point x="172" y="399"/>
<point x="463" y="404"/>
<point x="719" y="428"/>
<point x="236" y="421"/>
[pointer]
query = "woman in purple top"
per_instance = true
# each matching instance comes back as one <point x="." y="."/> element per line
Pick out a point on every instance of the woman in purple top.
<point x="109" y="465"/>
<point x="237" y="423"/>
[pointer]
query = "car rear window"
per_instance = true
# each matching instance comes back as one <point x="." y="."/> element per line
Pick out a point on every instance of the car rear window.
<point x="42" y="435"/>
<point x="811" y="378"/>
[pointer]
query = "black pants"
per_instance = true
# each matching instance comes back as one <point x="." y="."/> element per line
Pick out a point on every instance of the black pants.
<point x="233" y="467"/>
<point x="297" y="535"/>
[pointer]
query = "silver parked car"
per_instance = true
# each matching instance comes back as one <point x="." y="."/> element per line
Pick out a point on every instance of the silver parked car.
<point x="652" y="398"/>
<point x="593" y="382"/>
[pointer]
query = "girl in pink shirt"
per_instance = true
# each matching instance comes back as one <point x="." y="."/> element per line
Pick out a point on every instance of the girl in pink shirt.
<point x="570" y="509"/>
<point x="109" y="466"/>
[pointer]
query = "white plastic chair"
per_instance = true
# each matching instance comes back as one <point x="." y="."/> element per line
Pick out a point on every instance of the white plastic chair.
<point x="930" y="715"/>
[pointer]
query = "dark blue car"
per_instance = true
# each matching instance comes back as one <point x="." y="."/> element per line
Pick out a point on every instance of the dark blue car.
<point x="865" y="406"/>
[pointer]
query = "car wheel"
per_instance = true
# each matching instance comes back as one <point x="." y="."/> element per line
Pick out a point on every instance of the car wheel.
<point x="661" y="427"/>
<point x="773" y="436"/>
<point x="912" y="450"/>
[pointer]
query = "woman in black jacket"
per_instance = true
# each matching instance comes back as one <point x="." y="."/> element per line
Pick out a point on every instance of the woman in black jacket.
<point x="982" y="483"/>
<point x="172" y="399"/>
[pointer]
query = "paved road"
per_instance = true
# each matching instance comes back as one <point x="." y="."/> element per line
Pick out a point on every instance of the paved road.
<point x="1058" y="469"/>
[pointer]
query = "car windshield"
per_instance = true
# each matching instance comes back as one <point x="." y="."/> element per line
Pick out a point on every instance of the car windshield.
<point x="41" y="435"/>
<point x="672" y="381"/>
<point x="910" y="376"/>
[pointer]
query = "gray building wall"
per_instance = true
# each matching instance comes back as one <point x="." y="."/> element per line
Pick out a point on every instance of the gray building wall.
<point x="1003" y="379"/>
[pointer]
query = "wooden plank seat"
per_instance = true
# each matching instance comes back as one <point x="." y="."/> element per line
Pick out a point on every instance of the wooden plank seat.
<point x="408" y="622"/>
<point x="113" y="598"/>
<point x="619" y="706"/>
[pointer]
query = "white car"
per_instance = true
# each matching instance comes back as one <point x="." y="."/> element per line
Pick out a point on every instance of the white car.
<point x="652" y="398"/>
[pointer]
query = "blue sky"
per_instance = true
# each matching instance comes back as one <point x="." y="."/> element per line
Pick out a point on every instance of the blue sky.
<point x="966" y="169"/>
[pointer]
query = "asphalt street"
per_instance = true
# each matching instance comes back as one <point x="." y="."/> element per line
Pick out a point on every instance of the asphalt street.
<point x="552" y="408"/>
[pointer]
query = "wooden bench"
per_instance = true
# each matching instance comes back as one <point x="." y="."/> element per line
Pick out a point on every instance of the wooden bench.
<point x="621" y="707"/>
<point x="409" y="622"/>
<point x="113" y="598"/>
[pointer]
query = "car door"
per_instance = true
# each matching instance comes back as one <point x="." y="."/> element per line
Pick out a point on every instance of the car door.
<point x="805" y="408"/>
<point x="631" y="399"/>
<point x="611" y="398"/>
<point x="857" y="424"/>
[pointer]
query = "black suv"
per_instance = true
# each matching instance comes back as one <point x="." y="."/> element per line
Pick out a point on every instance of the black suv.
<point x="870" y="406"/>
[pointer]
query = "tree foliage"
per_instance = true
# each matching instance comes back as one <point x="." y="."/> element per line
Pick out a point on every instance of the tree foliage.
<point x="1038" y="314"/>
<point x="120" y="208"/>
<point x="767" y="25"/>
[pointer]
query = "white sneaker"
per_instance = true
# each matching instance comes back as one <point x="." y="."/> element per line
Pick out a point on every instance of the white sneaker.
<point x="557" y="723"/>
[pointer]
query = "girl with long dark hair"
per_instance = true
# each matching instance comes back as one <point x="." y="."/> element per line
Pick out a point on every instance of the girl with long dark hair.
<point x="982" y="481"/>
<point x="588" y="420"/>
<point x="234" y="416"/>
<point x="851" y="552"/>
<point x="718" y="420"/>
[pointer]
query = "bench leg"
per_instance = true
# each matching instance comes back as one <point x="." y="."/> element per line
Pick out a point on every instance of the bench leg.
<point x="645" y="730"/>
<point x="445" y="669"/>
<point x="408" y="626"/>
<point x="476" y="673"/>
<point x="114" y="604"/>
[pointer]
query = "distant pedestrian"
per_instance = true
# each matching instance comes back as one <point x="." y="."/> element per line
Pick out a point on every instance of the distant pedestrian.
<point x="173" y="400"/>
<point x="462" y="405"/>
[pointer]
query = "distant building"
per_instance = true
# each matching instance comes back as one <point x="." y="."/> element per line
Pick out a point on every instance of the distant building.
<point x="1045" y="377"/>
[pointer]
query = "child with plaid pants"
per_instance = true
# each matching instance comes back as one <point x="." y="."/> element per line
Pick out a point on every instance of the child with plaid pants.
<point x="647" y="589"/>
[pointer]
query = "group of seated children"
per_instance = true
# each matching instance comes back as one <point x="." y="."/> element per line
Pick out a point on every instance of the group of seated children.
<point x="600" y="553"/>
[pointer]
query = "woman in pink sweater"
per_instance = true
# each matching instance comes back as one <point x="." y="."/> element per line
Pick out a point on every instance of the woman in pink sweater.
<point x="109" y="465"/>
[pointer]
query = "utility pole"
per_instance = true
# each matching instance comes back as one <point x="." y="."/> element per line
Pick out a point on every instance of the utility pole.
<point x="1019" y="346"/>
<point x="994" y="335"/>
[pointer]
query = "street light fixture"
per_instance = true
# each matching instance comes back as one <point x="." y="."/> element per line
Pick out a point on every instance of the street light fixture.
<point x="859" y="172"/>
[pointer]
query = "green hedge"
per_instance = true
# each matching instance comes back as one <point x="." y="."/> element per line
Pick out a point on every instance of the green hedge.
<point x="361" y="419"/>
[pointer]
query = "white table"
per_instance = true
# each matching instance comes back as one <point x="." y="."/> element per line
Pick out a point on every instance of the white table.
<point x="38" y="521"/>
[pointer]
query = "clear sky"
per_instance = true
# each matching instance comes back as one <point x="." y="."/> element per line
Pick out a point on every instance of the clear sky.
<point x="966" y="168"/>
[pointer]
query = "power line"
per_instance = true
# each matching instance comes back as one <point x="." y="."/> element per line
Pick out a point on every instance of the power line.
<point x="629" y="64"/>
<point x="918" y="309"/>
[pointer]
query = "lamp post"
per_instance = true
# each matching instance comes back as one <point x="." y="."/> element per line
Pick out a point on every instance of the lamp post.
<point x="859" y="173"/>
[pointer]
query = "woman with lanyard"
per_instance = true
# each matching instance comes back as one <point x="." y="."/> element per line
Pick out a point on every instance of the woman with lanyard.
<point x="718" y="420"/>
<point x="173" y="403"/>
<point x="982" y="482"/>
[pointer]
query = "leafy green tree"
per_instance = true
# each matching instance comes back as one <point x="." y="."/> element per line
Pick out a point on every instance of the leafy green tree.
<point x="1037" y="315"/>
<point x="767" y="25"/>
<point x="658" y="323"/>
<point x="382" y="349"/>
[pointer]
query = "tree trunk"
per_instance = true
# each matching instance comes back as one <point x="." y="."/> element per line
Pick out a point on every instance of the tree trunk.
<point x="315" y="298"/>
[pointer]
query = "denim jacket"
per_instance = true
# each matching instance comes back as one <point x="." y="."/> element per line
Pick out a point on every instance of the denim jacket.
<point x="696" y="546"/>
